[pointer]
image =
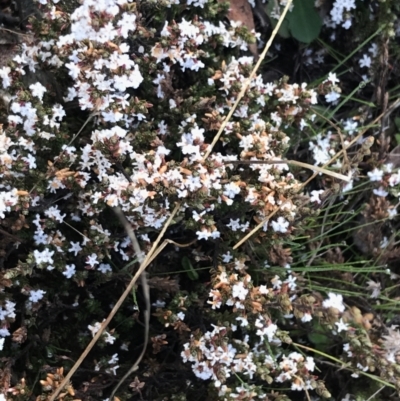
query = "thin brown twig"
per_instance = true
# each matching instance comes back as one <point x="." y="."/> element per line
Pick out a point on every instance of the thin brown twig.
<point x="146" y="293"/>
<point x="295" y="163"/>
<point x="15" y="32"/>
<point x="255" y="229"/>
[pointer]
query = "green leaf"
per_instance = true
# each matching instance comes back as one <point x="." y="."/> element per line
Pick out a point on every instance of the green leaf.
<point x="397" y="136"/>
<point x="397" y="122"/>
<point x="304" y="21"/>
<point x="318" y="336"/>
<point x="189" y="269"/>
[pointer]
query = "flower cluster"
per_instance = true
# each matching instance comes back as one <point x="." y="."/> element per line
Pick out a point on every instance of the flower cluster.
<point x="218" y="356"/>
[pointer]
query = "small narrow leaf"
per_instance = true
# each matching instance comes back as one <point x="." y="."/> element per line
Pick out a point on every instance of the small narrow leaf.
<point x="189" y="269"/>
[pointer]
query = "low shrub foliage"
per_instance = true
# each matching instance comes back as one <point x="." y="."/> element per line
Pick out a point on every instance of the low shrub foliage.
<point x="278" y="278"/>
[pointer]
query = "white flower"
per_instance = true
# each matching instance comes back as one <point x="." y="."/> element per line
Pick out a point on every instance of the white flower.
<point x="375" y="175"/>
<point x="231" y="189"/>
<point x="109" y="338"/>
<point x="227" y="257"/>
<point x="365" y="61"/>
<point x="4" y="75"/>
<point x="58" y="112"/>
<point x="94" y="329"/>
<point x="280" y="225"/>
<point x="307" y="317"/>
<point x="54" y="213"/>
<point x="1" y="349"/>
<point x="350" y="126"/>
<point x="114" y="359"/>
<point x="268" y="331"/>
<point x="276" y="282"/>
<point x="36" y="296"/>
<point x="380" y="192"/>
<point x="334" y="301"/>
<point x="104" y="268"/>
<point x="315" y="196"/>
<point x="75" y="247"/>
<point x="374" y="287"/>
<point x="37" y="90"/>
<point x="291" y="282"/>
<point x="43" y="257"/>
<point x="341" y="326"/>
<point x="234" y="225"/>
<point x="238" y="291"/>
<point x="92" y="260"/>
<point x="332" y="78"/>
<point x="332" y="97"/>
<point x="203" y="234"/>
<point x="69" y="271"/>
<point x="113" y="369"/>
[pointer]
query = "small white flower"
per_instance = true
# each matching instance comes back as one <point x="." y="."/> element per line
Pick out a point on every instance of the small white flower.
<point x="104" y="268"/>
<point x="113" y="369"/>
<point x="374" y="287"/>
<point x="341" y="326"/>
<point x="95" y="328"/>
<point x="365" y="61"/>
<point x="92" y="260"/>
<point x="332" y="97"/>
<point x="380" y="192"/>
<point x="69" y="271"/>
<point x="307" y="317"/>
<point x="203" y="234"/>
<point x="36" y="296"/>
<point x="238" y="291"/>
<point x="75" y="248"/>
<point x="315" y="196"/>
<point x="234" y="225"/>
<point x="4" y="75"/>
<point x="44" y="256"/>
<point x="227" y="257"/>
<point x="375" y="175"/>
<point x="332" y="78"/>
<point x="114" y="359"/>
<point x="310" y="364"/>
<point x="37" y="90"/>
<point x="281" y="225"/>
<point x="334" y="301"/>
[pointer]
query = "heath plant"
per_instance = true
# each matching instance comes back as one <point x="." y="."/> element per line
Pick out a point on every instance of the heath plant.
<point x="119" y="108"/>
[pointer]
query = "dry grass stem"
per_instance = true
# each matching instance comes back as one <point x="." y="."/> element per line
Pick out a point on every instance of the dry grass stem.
<point x="116" y="307"/>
